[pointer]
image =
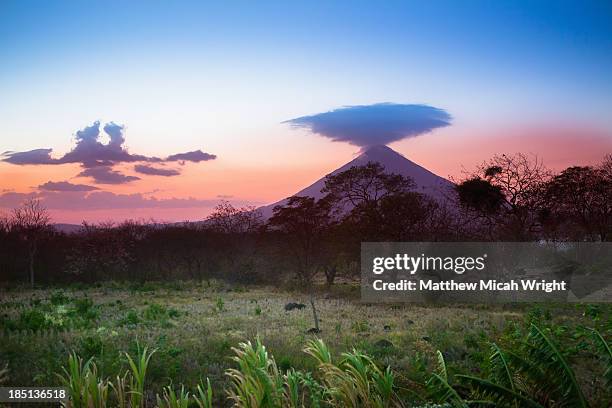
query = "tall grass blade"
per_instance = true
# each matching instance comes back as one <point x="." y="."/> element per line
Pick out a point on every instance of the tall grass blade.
<point x="204" y="395"/>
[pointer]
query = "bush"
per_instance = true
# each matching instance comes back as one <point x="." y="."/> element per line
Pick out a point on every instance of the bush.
<point x="33" y="319"/>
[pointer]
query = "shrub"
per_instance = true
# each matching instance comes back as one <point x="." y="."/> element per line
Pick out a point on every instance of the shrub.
<point x="91" y="346"/>
<point x="533" y="374"/>
<point x="220" y="304"/>
<point x="33" y="319"/>
<point x="131" y="318"/>
<point x="59" y="298"/>
<point x="257" y="381"/>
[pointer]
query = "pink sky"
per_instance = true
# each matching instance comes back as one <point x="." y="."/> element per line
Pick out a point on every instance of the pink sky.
<point x="283" y="170"/>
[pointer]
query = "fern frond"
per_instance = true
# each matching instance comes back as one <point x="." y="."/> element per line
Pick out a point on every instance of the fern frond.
<point x="498" y="393"/>
<point x="606" y="355"/>
<point x="443" y="392"/>
<point x="441" y="367"/>
<point x="561" y="377"/>
<point x="500" y="368"/>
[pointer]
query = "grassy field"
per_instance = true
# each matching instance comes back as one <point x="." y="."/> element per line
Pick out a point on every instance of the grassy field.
<point x="193" y="327"/>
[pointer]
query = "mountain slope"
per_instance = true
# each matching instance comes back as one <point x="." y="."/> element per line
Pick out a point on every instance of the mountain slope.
<point x="393" y="162"/>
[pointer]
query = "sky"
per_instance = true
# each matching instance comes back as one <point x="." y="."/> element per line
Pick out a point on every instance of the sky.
<point x="247" y="101"/>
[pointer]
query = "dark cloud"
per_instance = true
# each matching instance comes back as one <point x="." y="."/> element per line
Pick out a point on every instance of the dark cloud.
<point x="106" y="175"/>
<point x="196" y="156"/>
<point x="65" y="186"/>
<point x="13" y="199"/>
<point x="367" y="125"/>
<point x="92" y="154"/>
<point x="104" y="200"/>
<point x="36" y="156"/>
<point x="155" y="171"/>
<point x="115" y="132"/>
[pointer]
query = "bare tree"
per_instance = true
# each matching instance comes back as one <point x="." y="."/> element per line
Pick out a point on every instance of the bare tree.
<point x="364" y="185"/>
<point x="506" y="191"/>
<point x="31" y="221"/>
<point x="606" y="167"/>
<point x="231" y="220"/>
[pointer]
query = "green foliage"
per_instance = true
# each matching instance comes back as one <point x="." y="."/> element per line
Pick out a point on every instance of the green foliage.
<point x="85" y="387"/>
<point x="605" y="352"/>
<point x="593" y="311"/>
<point x="562" y="380"/>
<point x="33" y="319"/>
<point x="121" y="390"/>
<point x="4" y="371"/>
<point x="60" y="313"/>
<point x="155" y="311"/>
<point x="203" y="396"/>
<point x="533" y="374"/>
<point x="360" y="326"/>
<point x="91" y="346"/>
<point x="138" y="369"/>
<point x="130" y="319"/>
<point x="257" y="381"/>
<point x="199" y="344"/>
<point x="355" y="381"/>
<point x="170" y="399"/>
<point x="220" y="304"/>
<point x="439" y="387"/>
<point x="58" y="298"/>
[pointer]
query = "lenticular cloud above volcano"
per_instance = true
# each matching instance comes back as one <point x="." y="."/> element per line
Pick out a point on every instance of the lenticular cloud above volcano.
<point x="369" y="125"/>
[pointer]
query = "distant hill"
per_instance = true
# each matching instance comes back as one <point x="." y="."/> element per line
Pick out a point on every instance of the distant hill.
<point x="393" y="162"/>
<point x="67" y="228"/>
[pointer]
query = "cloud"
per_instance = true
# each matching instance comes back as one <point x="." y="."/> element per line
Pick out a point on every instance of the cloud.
<point x="92" y="154"/>
<point x="367" y="125"/>
<point x="106" y="175"/>
<point x="36" y="156"/>
<point x="115" y="132"/>
<point x="195" y="156"/>
<point x="155" y="171"/>
<point x="103" y="200"/>
<point x="65" y="186"/>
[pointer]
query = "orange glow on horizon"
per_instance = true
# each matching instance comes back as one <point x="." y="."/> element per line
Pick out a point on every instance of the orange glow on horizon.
<point x="448" y="152"/>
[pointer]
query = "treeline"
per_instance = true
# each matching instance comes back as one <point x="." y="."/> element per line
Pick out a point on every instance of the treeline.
<point x="508" y="198"/>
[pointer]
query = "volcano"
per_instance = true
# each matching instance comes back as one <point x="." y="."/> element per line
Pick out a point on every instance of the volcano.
<point x="426" y="182"/>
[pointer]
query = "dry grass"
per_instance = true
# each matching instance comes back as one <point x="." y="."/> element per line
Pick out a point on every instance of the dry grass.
<point x="194" y="326"/>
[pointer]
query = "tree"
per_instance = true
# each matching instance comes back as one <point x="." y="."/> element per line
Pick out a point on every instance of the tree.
<point x="231" y="220"/>
<point x="101" y="251"/>
<point x="238" y="230"/>
<point x="364" y="185"/>
<point x="361" y="194"/>
<point x="505" y="195"/>
<point x="606" y="168"/>
<point x="408" y="216"/>
<point x="304" y="221"/>
<point x="31" y="221"/>
<point x="480" y="195"/>
<point x="580" y="199"/>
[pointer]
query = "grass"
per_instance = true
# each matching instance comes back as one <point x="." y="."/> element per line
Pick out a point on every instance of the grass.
<point x="195" y="328"/>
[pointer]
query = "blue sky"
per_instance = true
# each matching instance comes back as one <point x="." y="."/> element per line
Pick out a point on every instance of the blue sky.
<point x="553" y="56"/>
<point x="223" y="76"/>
